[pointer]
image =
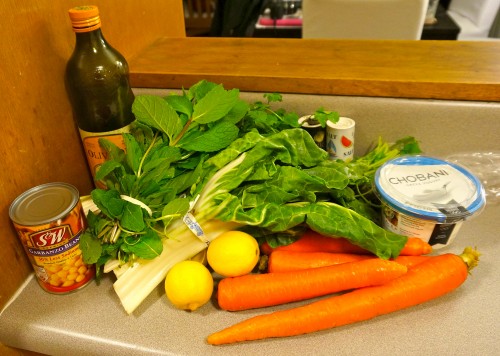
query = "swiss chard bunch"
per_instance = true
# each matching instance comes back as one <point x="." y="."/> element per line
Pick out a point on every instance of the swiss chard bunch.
<point x="152" y="182"/>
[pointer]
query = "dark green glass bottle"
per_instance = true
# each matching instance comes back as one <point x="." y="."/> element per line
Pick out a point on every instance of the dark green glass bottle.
<point x="97" y="82"/>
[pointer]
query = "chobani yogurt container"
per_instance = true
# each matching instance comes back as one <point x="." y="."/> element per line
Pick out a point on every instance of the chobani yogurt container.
<point x="427" y="197"/>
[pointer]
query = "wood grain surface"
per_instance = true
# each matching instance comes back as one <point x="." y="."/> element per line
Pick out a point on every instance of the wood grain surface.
<point x="40" y="143"/>
<point x="457" y="70"/>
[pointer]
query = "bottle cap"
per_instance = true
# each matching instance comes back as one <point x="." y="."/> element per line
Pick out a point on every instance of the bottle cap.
<point x="85" y="18"/>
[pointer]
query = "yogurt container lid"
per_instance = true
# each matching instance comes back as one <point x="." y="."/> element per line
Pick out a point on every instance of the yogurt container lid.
<point x="429" y="188"/>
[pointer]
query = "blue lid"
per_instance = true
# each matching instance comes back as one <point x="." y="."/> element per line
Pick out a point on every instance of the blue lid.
<point x="429" y="188"/>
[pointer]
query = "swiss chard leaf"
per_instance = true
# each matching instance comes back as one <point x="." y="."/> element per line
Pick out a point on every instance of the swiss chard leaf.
<point x="334" y="220"/>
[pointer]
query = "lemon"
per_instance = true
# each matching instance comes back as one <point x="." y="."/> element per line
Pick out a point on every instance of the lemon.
<point x="233" y="253"/>
<point x="189" y="285"/>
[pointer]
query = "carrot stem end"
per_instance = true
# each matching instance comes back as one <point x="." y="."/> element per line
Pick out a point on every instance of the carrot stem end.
<point x="470" y="256"/>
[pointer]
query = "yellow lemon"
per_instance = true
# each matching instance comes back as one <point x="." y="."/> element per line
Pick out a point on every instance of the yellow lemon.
<point x="189" y="285"/>
<point x="233" y="253"/>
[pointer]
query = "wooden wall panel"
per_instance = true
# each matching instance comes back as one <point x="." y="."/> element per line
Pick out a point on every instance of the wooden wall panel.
<point x="39" y="142"/>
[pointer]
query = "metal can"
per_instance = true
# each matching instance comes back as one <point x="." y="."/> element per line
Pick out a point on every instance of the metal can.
<point x="317" y="132"/>
<point x="49" y="220"/>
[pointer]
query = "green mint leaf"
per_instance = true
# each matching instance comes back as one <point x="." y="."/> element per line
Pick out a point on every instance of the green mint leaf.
<point x="143" y="134"/>
<point x="134" y="152"/>
<point x="184" y="181"/>
<point x="214" y="105"/>
<point x="157" y="175"/>
<point x="132" y="218"/>
<point x="237" y="112"/>
<point x="215" y="139"/>
<point x="180" y="104"/>
<point x="127" y="183"/>
<point x="163" y="155"/>
<point x="113" y="151"/>
<point x="91" y="248"/>
<point x="200" y="89"/>
<point x="148" y="246"/>
<point x="107" y="168"/>
<point x="110" y="251"/>
<point x="108" y="201"/>
<point x="92" y="220"/>
<point x="154" y="111"/>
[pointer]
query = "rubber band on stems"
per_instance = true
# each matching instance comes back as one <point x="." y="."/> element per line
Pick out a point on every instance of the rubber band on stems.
<point x="137" y="202"/>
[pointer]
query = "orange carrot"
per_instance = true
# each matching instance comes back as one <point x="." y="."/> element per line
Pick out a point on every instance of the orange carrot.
<point x="415" y="247"/>
<point x="411" y="261"/>
<point x="428" y="280"/>
<point x="286" y="261"/>
<point x="262" y="290"/>
<point x="312" y="241"/>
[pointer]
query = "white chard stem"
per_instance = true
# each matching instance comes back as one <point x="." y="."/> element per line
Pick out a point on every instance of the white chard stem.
<point x="139" y="280"/>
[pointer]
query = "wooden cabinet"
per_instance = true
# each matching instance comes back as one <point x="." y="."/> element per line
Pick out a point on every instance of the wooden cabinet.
<point x="39" y="142"/>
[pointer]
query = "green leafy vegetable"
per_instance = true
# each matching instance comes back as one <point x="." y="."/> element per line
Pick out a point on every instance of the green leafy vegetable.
<point x="205" y="160"/>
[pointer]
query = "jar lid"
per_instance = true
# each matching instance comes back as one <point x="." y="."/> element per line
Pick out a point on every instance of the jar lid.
<point x="85" y="18"/>
<point x="429" y="188"/>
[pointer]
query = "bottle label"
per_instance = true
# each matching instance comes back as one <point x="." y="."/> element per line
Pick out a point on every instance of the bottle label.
<point x="96" y="155"/>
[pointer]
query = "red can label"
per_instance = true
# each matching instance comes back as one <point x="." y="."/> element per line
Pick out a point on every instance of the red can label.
<point x="53" y="250"/>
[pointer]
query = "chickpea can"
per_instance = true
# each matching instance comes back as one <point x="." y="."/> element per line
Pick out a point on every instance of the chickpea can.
<point x="49" y="220"/>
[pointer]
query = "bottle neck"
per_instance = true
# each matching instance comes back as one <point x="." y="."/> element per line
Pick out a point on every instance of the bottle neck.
<point x="93" y="39"/>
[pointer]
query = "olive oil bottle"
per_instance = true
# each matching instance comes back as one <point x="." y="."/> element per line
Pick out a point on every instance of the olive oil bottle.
<point x="97" y="83"/>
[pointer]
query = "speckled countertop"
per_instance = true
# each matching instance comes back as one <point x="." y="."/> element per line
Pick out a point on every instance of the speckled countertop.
<point x="465" y="322"/>
<point x="92" y="321"/>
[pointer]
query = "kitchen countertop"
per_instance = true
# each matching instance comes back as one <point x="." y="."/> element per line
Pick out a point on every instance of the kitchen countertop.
<point x="92" y="321"/>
